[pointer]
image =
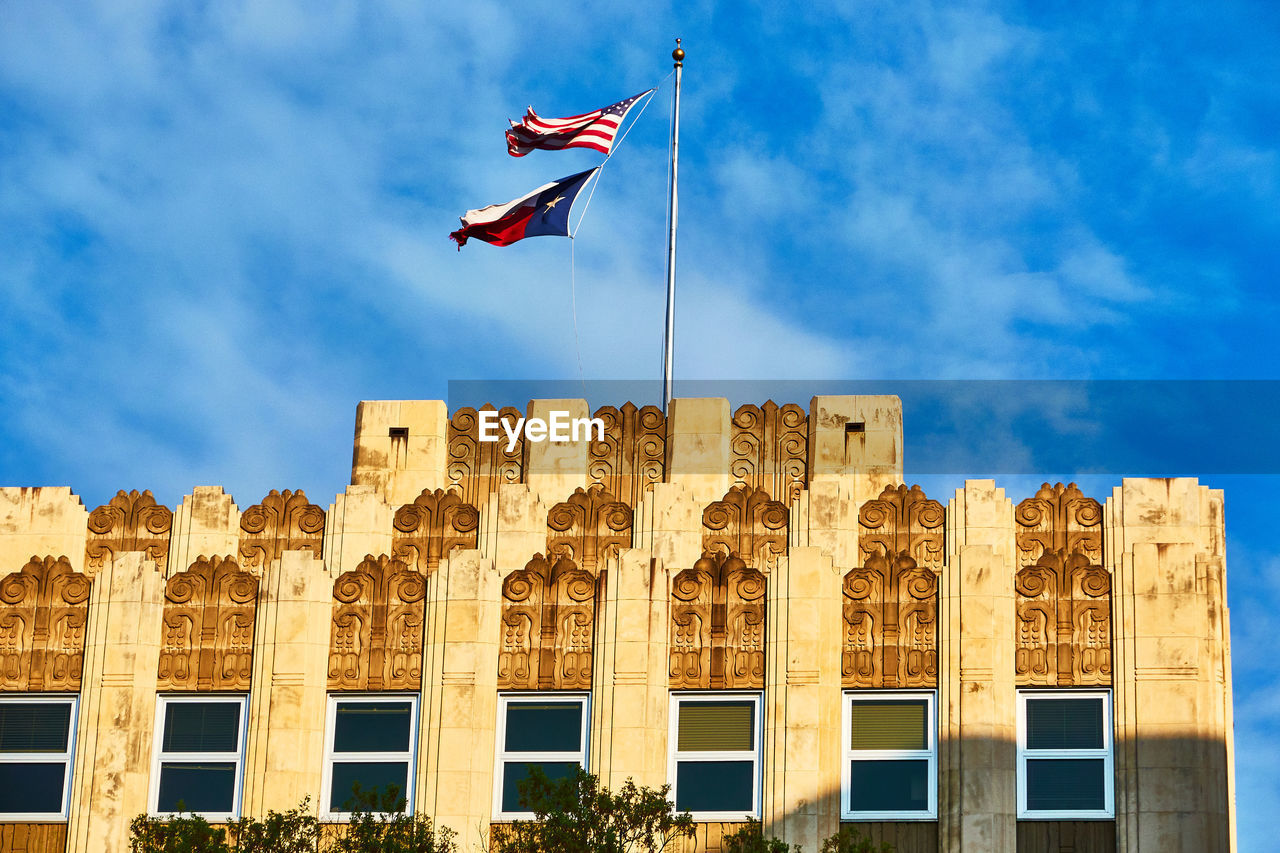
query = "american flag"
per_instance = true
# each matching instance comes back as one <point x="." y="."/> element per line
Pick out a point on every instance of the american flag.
<point x="595" y="129"/>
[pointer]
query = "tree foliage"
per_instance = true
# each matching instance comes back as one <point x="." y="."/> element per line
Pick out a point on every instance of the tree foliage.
<point x="850" y="840"/>
<point x="576" y="815"/>
<point x="750" y="839"/>
<point x="373" y="828"/>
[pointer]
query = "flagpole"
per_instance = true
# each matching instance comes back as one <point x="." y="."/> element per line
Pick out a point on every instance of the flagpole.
<point x="678" y="56"/>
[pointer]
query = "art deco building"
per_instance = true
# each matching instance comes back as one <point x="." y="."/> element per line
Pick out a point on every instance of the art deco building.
<point x="749" y="605"/>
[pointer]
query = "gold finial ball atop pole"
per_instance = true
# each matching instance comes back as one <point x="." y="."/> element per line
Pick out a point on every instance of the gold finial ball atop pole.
<point x="678" y="53"/>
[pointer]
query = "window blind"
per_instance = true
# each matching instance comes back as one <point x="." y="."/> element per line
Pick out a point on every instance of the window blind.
<point x="889" y="724"/>
<point x="34" y="727"/>
<point x="716" y="726"/>
<point x="201" y="726"/>
<point x="1064" y="724"/>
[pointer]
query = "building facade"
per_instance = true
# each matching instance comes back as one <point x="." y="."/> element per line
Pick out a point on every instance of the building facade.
<point x="749" y="605"/>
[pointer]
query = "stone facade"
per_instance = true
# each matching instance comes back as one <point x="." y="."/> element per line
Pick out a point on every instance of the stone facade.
<point x="771" y="549"/>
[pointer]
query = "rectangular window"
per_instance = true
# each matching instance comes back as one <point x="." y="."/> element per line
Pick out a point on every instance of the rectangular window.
<point x="199" y="753"/>
<point x="1064" y="754"/>
<point x="544" y="730"/>
<point x="890" y="767"/>
<point x="369" y="755"/>
<point x="715" y="755"/>
<point x="37" y="734"/>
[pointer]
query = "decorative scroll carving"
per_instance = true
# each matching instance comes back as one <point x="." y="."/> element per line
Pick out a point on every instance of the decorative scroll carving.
<point x="746" y="522"/>
<point x="432" y="527"/>
<point x="479" y="467"/>
<point x="770" y="446"/>
<point x="903" y="521"/>
<point x="128" y="522"/>
<point x="548" y="618"/>
<point x="632" y="456"/>
<point x="208" y="627"/>
<point x="589" y="528"/>
<point x="1062" y="594"/>
<point x="43" y="609"/>
<point x="717" y="625"/>
<point x="890" y="616"/>
<point x="375" y="641"/>
<point x="1059" y="518"/>
<point x="284" y="521"/>
<point x="891" y="602"/>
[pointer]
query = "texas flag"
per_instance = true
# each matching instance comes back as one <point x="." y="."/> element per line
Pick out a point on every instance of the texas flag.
<point x="545" y="211"/>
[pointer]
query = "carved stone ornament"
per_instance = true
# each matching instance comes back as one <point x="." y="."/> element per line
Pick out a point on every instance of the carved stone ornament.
<point x="1064" y="622"/>
<point x="632" y="456"/>
<point x="770" y="446"/>
<point x="479" y="467"/>
<point x="891" y="624"/>
<point x="207" y="643"/>
<point x="43" y="610"/>
<point x="1059" y="518"/>
<point x="748" y="523"/>
<point x="284" y="521"/>
<point x="129" y="522"/>
<point x="903" y="521"/>
<point x="590" y="528"/>
<point x="378" y="624"/>
<point x="717" y="625"/>
<point x="1062" y="594"/>
<point x="432" y="527"/>
<point x="548" y="619"/>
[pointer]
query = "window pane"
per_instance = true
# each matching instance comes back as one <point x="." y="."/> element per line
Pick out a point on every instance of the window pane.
<point x="372" y="727"/>
<point x="890" y="724"/>
<point x="197" y="787"/>
<point x="383" y="785"/>
<point x="544" y="727"/>
<point x="1064" y="723"/>
<point x="34" y="726"/>
<point x="1066" y="784"/>
<point x="201" y="727"/>
<point x="30" y="788"/>
<point x="713" y="786"/>
<point x="716" y="726"/>
<point x="513" y="772"/>
<point x="889" y="786"/>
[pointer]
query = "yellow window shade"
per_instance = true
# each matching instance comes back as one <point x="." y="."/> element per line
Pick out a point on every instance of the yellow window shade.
<point x="715" y="726"/>
<point x="889" y="725"/>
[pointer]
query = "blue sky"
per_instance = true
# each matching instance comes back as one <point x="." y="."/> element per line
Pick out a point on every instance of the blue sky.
<point x="222" y="224"/>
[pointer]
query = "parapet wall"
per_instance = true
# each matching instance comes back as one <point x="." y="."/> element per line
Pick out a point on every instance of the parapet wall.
<point x="768" y="548"/>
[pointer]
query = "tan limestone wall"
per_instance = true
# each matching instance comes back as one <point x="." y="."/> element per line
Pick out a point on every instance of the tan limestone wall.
<point x="1163" y="545"/>
<point x="977" y="772"/>
<point x="802" y="703"/>
<point x="112" y="767"/>
<point x="287" y="701"/>
<point x="1172" y="674"/>
<point x="629" y="697"/>
<point x="48" y="520"/>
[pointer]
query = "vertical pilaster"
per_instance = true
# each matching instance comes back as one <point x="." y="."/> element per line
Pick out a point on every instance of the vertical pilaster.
<point x="48" y="520"/>
<point x="285" y="747"/>
<point x="459" y="697"/>
<point x="698" y="433"/>
<point x="116" y="723"/>
<point x="553" y="469"/>
<point x="401" y="448"/>
<point x="629" y="685"/>
<point x="855" y="450"/>
<point x="359" y="523"/>
<point x="978" y="700"/>
<point x="207" y="523"/>
<point x="1172" y="674"/>
<point x="802" y="731"/>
